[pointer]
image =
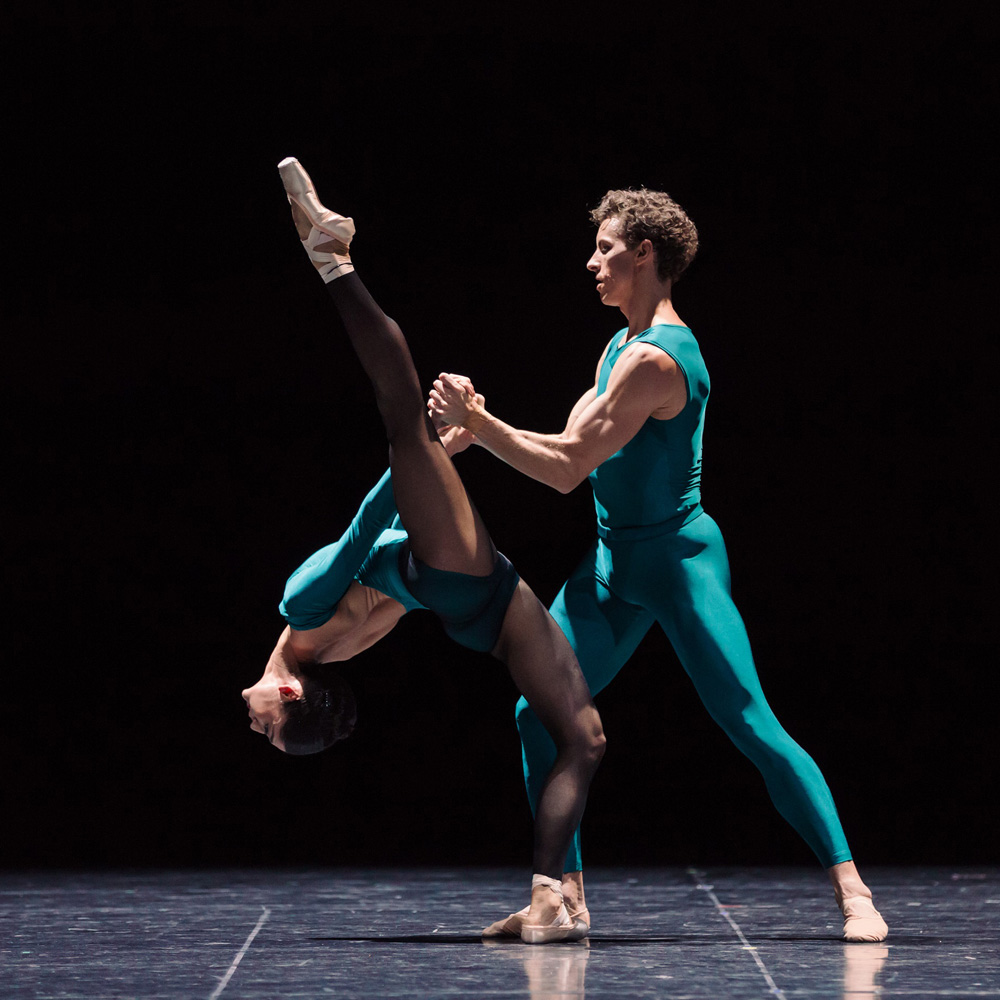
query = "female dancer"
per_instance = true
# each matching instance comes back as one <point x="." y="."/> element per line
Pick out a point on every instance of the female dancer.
<point x="348" y="595"/>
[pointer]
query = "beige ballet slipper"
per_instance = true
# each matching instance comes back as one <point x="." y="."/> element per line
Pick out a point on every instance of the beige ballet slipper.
<point x="862" y="922"/>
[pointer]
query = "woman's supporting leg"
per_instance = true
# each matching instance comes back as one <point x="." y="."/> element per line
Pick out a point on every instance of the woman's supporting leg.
<point x="603" y="631"/>
<point x="542" y="665"/>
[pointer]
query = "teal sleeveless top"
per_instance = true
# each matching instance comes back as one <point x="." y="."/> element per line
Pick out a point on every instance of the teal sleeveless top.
<point x="653" y="484"/>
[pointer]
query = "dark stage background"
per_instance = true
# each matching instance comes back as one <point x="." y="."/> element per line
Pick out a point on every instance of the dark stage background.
<point x="186" y="424"/>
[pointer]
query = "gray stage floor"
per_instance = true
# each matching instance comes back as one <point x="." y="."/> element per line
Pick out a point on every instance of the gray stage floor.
<point x="720" y="933"/>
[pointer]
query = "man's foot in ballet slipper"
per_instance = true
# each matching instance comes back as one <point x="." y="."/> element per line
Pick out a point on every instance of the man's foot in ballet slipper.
<point x="862" y="922"/>
<point x="325" y="235"/>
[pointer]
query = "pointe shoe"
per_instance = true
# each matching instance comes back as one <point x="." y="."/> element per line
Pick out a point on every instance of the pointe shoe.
<point x="562" y="928"/>
<point x="331" y="247"/>
<point x="299" y="188"/>
<point x="510" y="926"/>
<point x="862" y="922"/>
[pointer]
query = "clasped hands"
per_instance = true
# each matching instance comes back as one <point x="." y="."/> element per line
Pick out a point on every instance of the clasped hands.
<point x="452" y="402"/>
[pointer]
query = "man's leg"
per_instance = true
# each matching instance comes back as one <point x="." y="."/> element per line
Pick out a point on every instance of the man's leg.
<point x="710" y="639"/>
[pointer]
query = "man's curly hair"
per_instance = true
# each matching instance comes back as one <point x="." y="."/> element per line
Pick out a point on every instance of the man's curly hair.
<point x="655" y="216"/>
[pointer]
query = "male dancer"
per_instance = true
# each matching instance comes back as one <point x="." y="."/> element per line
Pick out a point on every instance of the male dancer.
<point x="637" y="434"/>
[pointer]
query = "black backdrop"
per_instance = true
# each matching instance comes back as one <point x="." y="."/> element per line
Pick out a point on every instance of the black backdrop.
<point x="185" y="424"/>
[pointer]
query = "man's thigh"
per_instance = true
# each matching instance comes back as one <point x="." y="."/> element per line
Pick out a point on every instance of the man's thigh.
<point x="603" y="629"/>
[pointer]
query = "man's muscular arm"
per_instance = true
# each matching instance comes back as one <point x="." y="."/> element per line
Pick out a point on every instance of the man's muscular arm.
<point x="645" y="382"/>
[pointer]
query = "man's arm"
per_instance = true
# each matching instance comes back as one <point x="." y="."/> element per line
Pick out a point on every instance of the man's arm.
<point x="644" y="382"/>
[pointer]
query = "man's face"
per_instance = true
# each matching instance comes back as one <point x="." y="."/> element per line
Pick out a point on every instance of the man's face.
<point x="613" y="264"/>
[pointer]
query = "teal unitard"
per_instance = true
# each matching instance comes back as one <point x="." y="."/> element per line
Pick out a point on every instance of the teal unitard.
<point x="375" y="551"/>
<point x="659" y="557"/>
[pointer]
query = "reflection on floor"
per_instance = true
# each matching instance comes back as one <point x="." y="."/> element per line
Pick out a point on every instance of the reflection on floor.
<point x="240" y="935"/>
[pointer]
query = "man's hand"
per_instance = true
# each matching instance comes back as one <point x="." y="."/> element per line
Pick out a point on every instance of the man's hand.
<point x="454" y="400"/>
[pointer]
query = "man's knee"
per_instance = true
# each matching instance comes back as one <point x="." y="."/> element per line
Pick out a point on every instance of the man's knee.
<point x="753" y="730"/>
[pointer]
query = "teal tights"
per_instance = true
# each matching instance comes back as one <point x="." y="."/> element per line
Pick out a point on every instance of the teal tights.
<point x="681" y="580"/>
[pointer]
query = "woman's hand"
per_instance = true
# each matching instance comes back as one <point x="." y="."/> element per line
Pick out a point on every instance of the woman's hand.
<point x="454" y="439"/>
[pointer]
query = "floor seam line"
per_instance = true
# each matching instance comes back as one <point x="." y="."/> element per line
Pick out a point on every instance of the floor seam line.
<point x="224" y="982"/>
<point x="700" y="883"/>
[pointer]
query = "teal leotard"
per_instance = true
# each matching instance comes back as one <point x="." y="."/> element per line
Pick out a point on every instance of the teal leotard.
<point x="660" y="557"/>
<point x="375" y="551"/>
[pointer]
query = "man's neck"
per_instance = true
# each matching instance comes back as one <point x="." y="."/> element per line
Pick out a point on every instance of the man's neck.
<point x="650" y="306"/>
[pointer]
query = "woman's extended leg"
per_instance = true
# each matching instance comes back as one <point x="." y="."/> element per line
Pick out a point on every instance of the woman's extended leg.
<point x="444" y="528"/>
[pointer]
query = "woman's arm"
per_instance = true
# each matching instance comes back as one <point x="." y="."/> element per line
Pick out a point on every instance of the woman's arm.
<point x="314" y="589"/>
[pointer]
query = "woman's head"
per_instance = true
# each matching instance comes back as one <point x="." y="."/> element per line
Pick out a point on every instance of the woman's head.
<point x="302" y="714"/>
<point x="325" y="714"/>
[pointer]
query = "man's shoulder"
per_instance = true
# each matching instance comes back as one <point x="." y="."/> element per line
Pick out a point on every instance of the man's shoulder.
<point x="644" y="359"/>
